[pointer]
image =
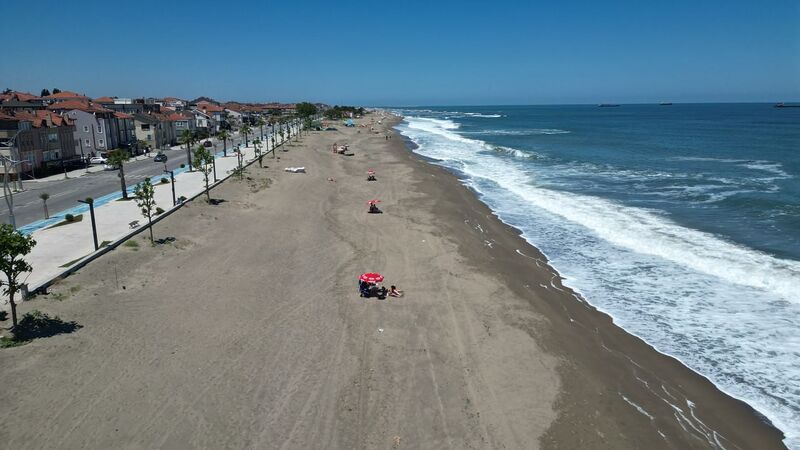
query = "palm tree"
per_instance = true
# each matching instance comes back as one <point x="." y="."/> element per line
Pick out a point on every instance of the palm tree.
<point x="260" y="123"/>
<point x="188" y="138"/>
<point x="245" y="129"/>
<point x="223" y="134"/>
<point x="118" y="158"/>
<point x="44" y="196"/>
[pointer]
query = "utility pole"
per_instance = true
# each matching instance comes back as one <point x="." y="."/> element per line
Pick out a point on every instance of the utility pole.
<point x="172" y="177"/>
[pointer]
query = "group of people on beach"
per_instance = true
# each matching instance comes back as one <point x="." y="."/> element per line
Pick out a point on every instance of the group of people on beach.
<point x="339" y="149"/>
<point x="367" y="289"/>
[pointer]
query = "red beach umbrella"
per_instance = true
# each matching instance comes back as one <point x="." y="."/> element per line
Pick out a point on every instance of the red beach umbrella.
<point x="372" y="202"/>
<point x="371" y="277"/>
<point x="371" y="172"/>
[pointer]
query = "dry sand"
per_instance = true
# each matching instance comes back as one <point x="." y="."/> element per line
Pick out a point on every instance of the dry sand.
<point x="248" y="331"/>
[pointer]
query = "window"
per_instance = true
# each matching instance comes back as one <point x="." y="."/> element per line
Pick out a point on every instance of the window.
<point x="88" y="144"/>
<point x="149" y="137"/>
<point x="52" y="137"/>
<point x="100" y="129"/>
<point x="86" y="128"/>
<point x="145" y="127"/>
<point x="101" y="143"/>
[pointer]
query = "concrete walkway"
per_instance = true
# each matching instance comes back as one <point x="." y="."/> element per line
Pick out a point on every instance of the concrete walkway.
<point x="60" y="247"/>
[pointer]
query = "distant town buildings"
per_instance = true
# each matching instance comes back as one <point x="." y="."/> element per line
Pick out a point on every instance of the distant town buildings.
<point x="61" y="130"/>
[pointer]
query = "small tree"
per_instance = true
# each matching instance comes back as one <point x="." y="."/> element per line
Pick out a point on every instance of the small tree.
<point x="44" y="93"/>
<point x="145" y="199"/>
<point x="203" y="159"/>
<point x="258" y="152"/>
<point x="240" y="170"/>
<point x="44" y="196"/>
<point x="224" y="136"/>
<point x="260" y="123"/>
<point x="245" y="129"/>
<point x="56" y="91"/>
<point x="118" y="158"/>
<point x="188" y="138"/>
<point x="13" y="246"/>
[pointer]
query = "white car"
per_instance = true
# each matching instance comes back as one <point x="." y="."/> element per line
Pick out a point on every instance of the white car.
<point x="98" y="160"/>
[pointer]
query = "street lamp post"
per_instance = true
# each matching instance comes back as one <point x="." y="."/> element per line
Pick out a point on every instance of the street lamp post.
<point x="172" y="178"/>
<point x="90" y="201"/>
<point x="214" y="163"/>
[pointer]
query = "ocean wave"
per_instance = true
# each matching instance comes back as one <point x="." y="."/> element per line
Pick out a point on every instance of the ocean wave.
<point x="773" y="167"/>
<point x="768" y="166"/>
<point x="517" y="153"/>
<point x="724" y="309"/>
<point x="525" y="132"/>
<point x="487" y="116"/>
<point x="653" y="234"/>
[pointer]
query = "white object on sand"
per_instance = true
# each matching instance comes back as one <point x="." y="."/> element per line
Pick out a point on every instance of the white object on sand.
<point x="295" y="169"/>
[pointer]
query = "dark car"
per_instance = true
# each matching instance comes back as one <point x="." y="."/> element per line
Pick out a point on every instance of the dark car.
<point x="160" y="158"/>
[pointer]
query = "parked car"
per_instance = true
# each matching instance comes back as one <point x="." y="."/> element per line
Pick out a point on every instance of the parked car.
<point x="160" y="158"/>
<point x="98" y="160"/>
<point x="208" y="143"/>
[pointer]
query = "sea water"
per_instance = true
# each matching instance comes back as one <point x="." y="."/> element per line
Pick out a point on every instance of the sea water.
<point x="682" y="222"/>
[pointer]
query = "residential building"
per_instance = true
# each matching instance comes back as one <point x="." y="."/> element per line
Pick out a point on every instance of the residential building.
<point x="124" y="105"/>
<point x="182" y="121"/>
<point x="64" y="96"/>
<point x="13" y="105"/>
<point x="44" y="140"/>
<point x="154" y="129"/>
<point x="173" y="103"/>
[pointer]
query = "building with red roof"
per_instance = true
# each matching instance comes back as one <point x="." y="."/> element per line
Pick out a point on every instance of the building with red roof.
<point x="42" y="139"/>
<point x="64" y="96"/>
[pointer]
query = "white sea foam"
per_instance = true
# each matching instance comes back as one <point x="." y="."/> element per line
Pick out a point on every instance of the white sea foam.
<point x="726" y="310"/>
<point x="486" y="116"/>
<point x="522" y="132"/>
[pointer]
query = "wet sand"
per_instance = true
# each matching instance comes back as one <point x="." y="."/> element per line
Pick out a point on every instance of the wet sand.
<point x="248" y="331"/>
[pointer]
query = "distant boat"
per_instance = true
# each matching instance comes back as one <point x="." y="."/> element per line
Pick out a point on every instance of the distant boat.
<point x="784" y="105"/>
<point x="665" y="103"/>
<point x="607" y="105"/>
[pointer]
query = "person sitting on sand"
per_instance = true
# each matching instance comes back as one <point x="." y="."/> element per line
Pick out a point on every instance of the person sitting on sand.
<point x="394" y="292"/>
<point x="373" y="209"/>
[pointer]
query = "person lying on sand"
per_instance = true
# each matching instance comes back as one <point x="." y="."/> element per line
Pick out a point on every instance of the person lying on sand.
<point x="331" y="179"/>
<point x="394" y="292"/>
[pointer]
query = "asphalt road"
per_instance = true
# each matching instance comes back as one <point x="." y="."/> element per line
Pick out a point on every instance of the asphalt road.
<point x="65" y="194"/>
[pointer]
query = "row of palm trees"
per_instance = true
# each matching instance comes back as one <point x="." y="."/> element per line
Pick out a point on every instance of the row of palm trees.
<point x="119" y="157"/>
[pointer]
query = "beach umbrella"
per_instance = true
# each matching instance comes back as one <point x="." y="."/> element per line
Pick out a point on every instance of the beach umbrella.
<point x="371" y="277"/>
<point x="371" y="172"/>
<point x="372" y="202"/>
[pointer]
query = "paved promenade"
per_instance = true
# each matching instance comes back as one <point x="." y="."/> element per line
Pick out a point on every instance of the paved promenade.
<point x="60" y="247"/>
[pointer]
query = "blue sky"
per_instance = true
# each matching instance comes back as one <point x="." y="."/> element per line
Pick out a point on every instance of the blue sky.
<point x="408" y="52"/>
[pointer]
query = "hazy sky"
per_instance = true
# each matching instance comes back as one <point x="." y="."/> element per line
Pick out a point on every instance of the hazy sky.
<point x="407" y="52"/>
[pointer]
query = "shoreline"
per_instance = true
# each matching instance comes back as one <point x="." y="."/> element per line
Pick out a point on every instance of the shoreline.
<point x="247" y="331"/>
<point x="602" y="316"/>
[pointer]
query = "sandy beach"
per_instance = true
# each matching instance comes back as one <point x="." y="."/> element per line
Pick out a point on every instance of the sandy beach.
<point x="247" y="330"/>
